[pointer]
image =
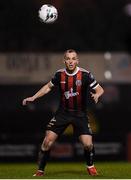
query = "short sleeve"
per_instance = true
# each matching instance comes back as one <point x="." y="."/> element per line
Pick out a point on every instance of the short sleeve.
<point x="92" y="82"/>
<point x="55" y="79"/>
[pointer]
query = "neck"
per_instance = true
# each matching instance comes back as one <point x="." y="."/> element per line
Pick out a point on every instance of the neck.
<point x="71" y="71"/>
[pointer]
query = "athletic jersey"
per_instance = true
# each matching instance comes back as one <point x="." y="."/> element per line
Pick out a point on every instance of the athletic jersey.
<point x="74" y="88"/>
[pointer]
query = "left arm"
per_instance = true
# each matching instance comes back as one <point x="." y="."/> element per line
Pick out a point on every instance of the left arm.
<point x="98" y="92"/>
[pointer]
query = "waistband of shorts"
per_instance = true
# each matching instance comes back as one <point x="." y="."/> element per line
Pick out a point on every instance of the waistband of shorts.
<point x="73" y="112"/>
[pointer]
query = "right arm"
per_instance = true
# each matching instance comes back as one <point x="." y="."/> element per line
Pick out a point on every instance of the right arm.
<point x="44" y="90"/>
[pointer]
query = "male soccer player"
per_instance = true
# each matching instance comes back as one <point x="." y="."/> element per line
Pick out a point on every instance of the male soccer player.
<point x="74" y="83"/>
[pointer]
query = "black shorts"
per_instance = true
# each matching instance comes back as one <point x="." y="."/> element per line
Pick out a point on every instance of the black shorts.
<point x="63" y="118"/>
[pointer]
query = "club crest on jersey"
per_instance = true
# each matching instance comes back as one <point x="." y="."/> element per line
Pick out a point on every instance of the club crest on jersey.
<point x="70" y="93"/>
<point x="78" y="83"/>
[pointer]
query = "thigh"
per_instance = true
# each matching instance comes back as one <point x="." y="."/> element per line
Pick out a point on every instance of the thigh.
<point x="81" y="126"/>
<point x="58" y="123"/>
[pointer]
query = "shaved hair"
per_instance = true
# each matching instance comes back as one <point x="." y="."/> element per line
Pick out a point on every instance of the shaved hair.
<point x="69" y="51"/>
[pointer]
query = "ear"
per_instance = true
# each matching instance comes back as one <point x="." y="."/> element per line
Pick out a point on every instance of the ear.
<point x="77" y="61"/>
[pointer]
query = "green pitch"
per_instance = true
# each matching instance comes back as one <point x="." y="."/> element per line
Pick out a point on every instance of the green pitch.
<point x="109" y="170"/>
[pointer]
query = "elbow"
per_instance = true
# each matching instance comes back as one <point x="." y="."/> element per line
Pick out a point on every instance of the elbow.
<point x="102" y="91"/>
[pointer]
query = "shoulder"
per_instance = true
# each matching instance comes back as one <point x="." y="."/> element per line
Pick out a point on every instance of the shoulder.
<point x="58" y="73"/>
<point x="60" y="70"/>
<point x="87" y="74"/>
<point x="84" y="70"/>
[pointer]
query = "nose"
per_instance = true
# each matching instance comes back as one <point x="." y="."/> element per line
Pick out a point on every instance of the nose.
<point x="71" y="61"/>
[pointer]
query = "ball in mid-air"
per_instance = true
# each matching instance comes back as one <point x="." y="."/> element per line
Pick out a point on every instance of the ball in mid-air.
<point x="48" y="13"/>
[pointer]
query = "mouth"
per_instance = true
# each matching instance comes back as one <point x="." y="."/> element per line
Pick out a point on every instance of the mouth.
<point x="70" y="66"/>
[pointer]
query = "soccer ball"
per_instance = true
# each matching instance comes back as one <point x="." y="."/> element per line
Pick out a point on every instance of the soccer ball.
<point x="48" y="13"/>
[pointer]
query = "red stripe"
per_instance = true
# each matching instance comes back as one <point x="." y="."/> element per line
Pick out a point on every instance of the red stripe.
<point x="78" y="89"/>
<point x="70" y="86"/>
<point x="63" y="87"/>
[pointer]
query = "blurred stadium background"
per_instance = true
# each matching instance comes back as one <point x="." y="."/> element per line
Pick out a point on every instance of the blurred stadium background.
<point x="30" y="52"/>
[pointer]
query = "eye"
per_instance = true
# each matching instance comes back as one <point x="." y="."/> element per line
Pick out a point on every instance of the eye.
<point x="74" y="58"/>
<point x="67" y="58"/>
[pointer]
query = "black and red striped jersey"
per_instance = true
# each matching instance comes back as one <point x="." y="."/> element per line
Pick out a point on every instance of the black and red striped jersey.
<point x="74" y="88"/>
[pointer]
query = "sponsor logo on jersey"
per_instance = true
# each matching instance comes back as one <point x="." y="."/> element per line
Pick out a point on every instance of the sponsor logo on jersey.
<point x="70" y="93"/>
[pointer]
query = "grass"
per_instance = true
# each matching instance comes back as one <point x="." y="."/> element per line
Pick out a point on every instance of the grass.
<point x="107" y="170"/>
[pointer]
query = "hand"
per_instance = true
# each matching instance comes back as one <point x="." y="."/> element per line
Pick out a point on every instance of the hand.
<point x="94" y="97"/>
<point x="26" y="100"/>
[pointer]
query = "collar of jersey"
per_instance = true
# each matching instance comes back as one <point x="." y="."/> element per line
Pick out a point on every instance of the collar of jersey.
<point x="74" y="73"/>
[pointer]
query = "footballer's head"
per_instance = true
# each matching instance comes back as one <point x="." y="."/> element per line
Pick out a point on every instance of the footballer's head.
<point x="71" y="60"/>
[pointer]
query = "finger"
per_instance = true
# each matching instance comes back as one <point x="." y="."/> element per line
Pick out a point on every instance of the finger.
<point x="24" y="102"/>
<point x="96" y="100"/>
<point x="92" y="95"/>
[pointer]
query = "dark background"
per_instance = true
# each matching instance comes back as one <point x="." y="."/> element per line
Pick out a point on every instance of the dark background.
<point x="87" y="26"/>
